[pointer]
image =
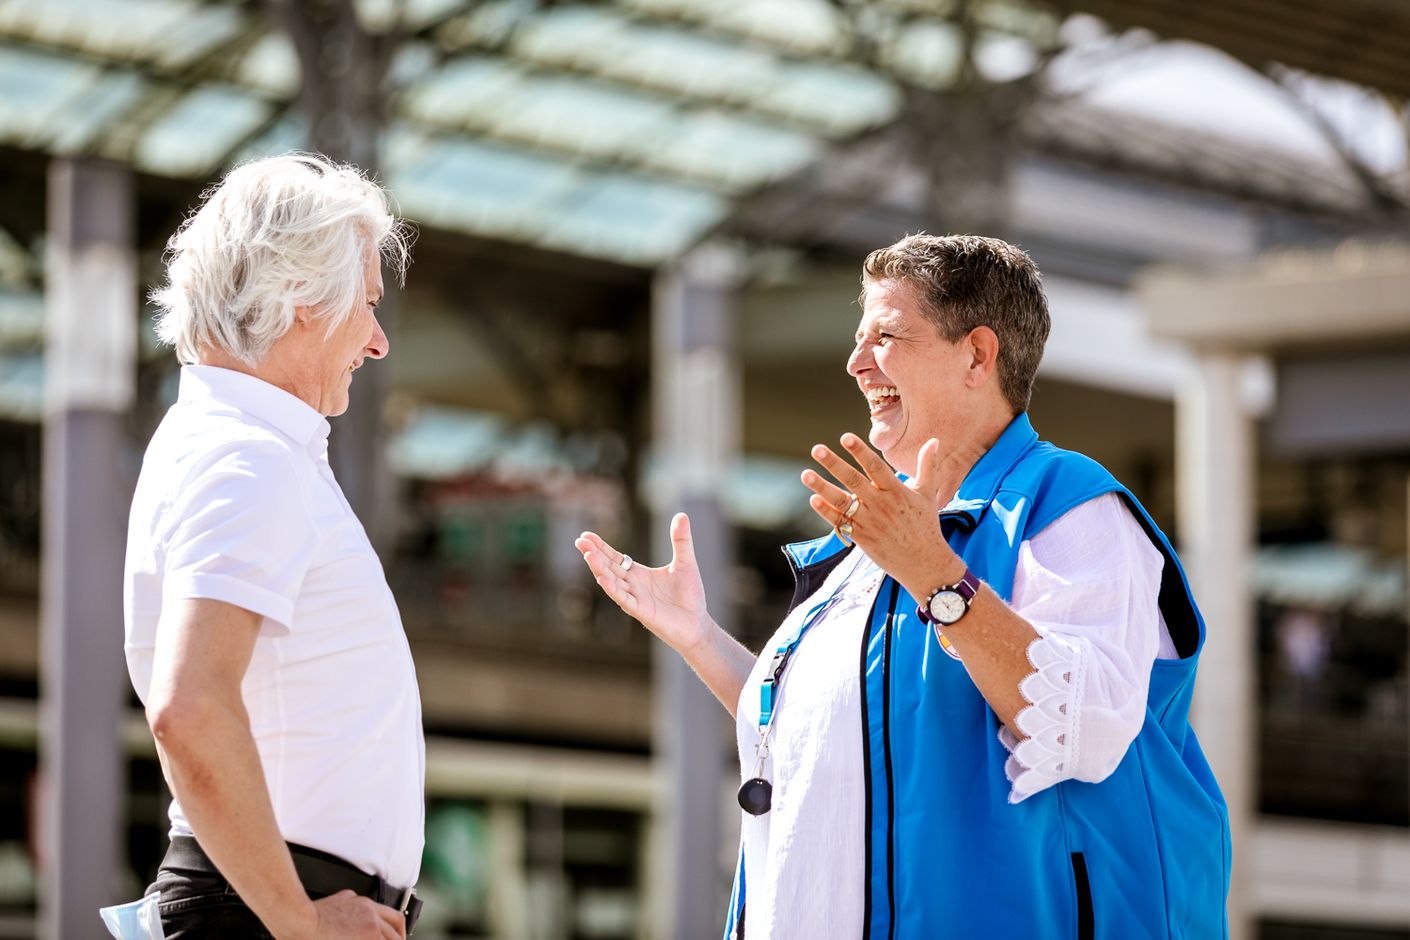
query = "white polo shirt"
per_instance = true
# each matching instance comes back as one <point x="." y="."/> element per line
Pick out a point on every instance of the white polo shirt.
<point x="236" y="502"/>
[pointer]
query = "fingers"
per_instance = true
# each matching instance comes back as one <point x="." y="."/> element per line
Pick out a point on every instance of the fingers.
<point x="826" y="494"/>
<point x="877" y="469"/>
<point x="832" y="515"/>
<point x="392" y="922"/>
<point x="606" y="567"/>
<point x="682" y="545"/>
<point x="928" y="469"/>
<point x="598" y="544"/>
<point x="849" y="476"/>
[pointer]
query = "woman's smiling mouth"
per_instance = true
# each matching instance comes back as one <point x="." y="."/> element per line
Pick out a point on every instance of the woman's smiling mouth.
<point x="881" y="397"/>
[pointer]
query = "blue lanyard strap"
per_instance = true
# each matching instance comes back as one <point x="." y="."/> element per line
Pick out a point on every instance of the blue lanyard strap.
<point x="773" y="680"/>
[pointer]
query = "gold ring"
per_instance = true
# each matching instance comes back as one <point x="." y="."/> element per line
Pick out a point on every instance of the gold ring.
<point x="844" y="531"/>
<point x="852" y="507"/>
<point x="626" y="562"/>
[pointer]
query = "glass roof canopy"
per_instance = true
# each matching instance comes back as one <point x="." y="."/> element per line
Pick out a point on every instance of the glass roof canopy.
<point x="623" y="132"/>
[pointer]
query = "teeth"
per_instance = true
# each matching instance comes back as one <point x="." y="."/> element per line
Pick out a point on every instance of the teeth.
<point x="880" y="392"/>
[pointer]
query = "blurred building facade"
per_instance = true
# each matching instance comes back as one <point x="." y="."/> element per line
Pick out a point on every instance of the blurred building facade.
<point x="641" y="225"/>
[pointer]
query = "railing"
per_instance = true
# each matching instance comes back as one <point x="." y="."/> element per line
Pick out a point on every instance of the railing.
<point x="1334" y="768"/>
<point x="1333" y="714"/>
<point x="522" y="610"/>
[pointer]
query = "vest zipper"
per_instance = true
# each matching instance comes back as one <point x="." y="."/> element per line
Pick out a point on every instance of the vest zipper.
<point x="888" y="645"/>
<point x="870" y="815"/>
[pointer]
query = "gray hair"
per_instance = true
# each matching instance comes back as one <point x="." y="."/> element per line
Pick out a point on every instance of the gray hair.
<point x="967" y="281"/>
<point x="277" y="233"/>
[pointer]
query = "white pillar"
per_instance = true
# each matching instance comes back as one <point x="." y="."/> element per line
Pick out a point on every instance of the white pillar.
<point x="90" y="377"/>
<point x="1215" y="509"/>
<point x="696" y="394"/>
<point x="508" y="899"/>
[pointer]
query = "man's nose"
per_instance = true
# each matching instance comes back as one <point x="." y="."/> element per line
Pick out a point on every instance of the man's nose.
<point x="378" y="346"/>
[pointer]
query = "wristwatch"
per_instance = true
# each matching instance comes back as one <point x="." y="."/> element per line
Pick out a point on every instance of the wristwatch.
<point x="946" y="605"/>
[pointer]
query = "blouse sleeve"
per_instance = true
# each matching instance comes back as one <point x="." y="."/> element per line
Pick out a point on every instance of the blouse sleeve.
<point x="1088" y="584"/>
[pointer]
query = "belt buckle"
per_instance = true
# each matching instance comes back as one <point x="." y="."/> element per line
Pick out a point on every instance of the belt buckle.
<point x="410" y="906"/>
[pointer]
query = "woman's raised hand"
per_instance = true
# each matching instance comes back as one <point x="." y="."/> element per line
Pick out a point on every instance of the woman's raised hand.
<point x="895" y="523"/>
<point x="669" y="601"/>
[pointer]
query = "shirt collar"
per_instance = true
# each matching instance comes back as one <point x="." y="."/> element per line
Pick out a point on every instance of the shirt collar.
<point x="982" y="482"/>
<point x="286" y="413"/>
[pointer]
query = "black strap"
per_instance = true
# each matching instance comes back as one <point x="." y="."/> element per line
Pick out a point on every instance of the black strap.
<point x="321" y="874"/>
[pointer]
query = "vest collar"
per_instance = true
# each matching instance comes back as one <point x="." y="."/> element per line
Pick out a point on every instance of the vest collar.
<point x="982" y="483"/>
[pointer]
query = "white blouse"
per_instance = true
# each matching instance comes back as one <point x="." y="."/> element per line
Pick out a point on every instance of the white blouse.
<point x="1092" y="601"/>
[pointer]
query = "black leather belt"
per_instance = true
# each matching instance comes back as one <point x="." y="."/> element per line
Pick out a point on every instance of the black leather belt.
<point x="321" y="873"/>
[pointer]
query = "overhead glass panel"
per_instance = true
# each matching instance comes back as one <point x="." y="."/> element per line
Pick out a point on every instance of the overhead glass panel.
<point x="80" y="124"/>
<point x="612" y="130"/>
<point x="469" y="186"/>
<point x="198" y="32"/>
<point x="170" y="32"/>
<point x="460" y="91"/>
<point x="290" y="132"/>
<point x="380" y="15"/>
<point x="804" y="27"/>
<point x="197" y="134"/>
<point x="35" y="88"/>
<point x="576" y="116"/>
<point x="737" y="153"/>
<point x="271" y="65"/>
<point x="690" y="65"/>
<point x="634" y="220"/>
<point x="928" y="53"/>
<point x="841" y="100"/>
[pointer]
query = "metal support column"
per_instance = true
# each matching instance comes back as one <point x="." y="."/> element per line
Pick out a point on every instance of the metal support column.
<point x="90" y="376"/>
<point x="1215" y="508"/>
<point x="696" y="429"/>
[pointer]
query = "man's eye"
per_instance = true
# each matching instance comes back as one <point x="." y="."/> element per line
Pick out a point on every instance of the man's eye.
<point x="881" y="338"/>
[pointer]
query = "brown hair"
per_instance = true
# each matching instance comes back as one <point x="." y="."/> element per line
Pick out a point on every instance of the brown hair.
<point x="967" y="281"/>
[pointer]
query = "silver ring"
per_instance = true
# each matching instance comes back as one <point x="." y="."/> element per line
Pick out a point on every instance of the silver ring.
<point x="626" y="562"/>
<point x="844" y="531"/>
<point x="852" y="507"/>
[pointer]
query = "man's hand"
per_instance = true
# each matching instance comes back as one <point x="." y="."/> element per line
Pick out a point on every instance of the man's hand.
<point x="348" y="916"/>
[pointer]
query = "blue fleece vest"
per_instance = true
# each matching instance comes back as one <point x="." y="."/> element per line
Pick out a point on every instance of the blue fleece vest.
<point x="1145" y="853"/>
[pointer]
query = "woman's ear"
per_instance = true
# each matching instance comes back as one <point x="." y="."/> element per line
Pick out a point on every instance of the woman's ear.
<point x="983" y="355"/>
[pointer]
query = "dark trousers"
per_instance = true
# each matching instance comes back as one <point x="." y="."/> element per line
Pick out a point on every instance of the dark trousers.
<point x="197" y="901"/>
<point x="197" y="904"/>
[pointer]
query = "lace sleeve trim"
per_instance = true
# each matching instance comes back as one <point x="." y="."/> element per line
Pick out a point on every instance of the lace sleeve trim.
<point x="1051" y="724"/>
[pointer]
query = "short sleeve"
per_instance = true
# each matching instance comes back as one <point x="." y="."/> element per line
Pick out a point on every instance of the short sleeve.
<point x="240" y="532"/>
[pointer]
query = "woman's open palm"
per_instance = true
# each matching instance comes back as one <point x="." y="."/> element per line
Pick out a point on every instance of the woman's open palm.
<point x="668" y="601"/>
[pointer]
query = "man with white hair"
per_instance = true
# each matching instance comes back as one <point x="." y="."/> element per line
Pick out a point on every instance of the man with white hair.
<point x="260" y="632"/>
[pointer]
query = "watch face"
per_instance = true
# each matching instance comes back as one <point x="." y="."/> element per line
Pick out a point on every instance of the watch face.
<point x="947" y="607"/>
